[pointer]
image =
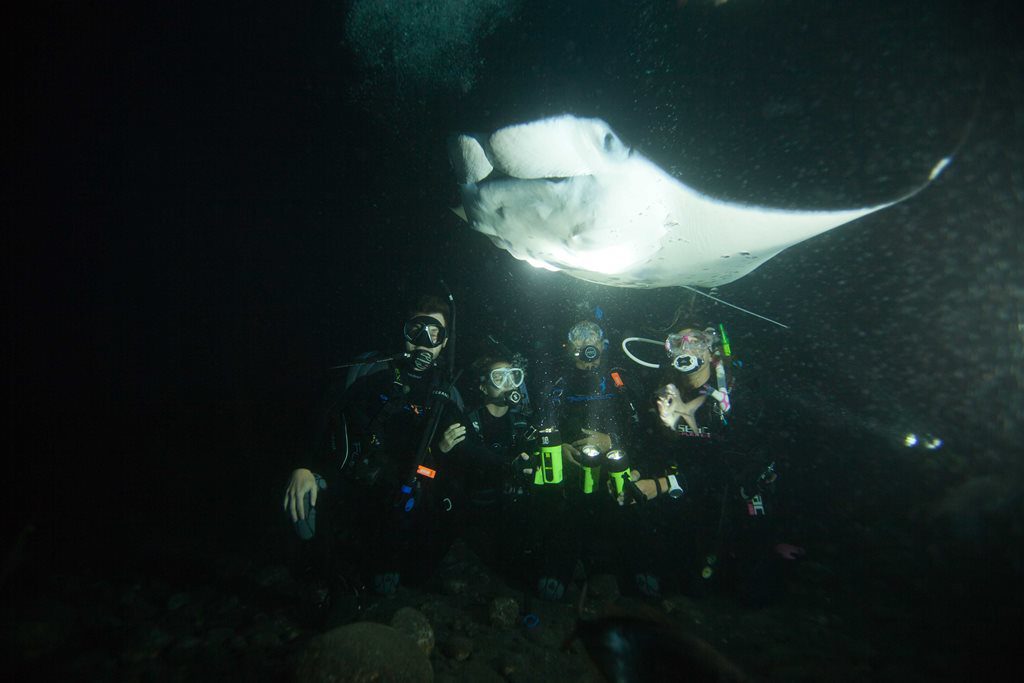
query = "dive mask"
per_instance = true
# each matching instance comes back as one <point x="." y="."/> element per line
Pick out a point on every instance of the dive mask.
<point x="507" y="379"/>
<point x="688" y="350"/>
<point x="425" y="331"/>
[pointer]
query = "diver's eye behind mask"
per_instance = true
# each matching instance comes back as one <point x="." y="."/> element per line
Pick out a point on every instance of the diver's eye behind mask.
<point x="424" y="331"/>
<point x="507" y="379"/>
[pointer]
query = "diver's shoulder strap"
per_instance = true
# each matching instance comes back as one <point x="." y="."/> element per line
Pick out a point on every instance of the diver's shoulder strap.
<point x="473" y="418"/>
<point x="442" y="387"/>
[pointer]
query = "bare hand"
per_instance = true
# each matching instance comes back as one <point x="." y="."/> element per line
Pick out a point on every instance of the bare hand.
<point x="602" y="441"/>
<point x="648" y="488"/>
<point x="301" y="483"/>
<point x="452" y="437"/>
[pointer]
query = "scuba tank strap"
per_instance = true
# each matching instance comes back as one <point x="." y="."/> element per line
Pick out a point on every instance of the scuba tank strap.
<point x="441" y="393"/>
<point x="392" y="403"/>
<point x="473" y="418"/>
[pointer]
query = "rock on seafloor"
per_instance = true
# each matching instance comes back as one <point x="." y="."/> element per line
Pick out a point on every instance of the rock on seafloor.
<point x="363" y="652"/>
<point x="414" y="624"/>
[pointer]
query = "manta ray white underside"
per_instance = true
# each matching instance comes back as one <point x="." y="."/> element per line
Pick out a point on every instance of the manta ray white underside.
<point x="565" y="193"/>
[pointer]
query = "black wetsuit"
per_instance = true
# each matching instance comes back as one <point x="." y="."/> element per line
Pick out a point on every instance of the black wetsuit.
<point x="493" y="519"/>
<point x="570" y="524"/>
<point x="366" y="453"/>
<point x="714" y="537"/>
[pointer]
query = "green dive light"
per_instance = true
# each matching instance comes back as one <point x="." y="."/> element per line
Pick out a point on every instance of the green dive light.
<point x="591" y="467"/>
<point x="618" y="469"/>
<point x="725" y="340"/>
<point x="549" y="467"/>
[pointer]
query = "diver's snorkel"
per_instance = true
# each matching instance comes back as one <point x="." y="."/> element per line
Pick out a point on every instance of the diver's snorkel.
<point x="451" y="335"/>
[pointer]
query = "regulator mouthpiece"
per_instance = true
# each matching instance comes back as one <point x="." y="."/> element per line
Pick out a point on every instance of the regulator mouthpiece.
<point x="421" y="360"/>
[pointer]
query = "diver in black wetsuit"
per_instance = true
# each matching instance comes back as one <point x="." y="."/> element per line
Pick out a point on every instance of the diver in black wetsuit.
<point x="588" y="414"/>
<point x="489" y="443"/>
<point x="727" y="522"/>
<point x="383" y="515"/>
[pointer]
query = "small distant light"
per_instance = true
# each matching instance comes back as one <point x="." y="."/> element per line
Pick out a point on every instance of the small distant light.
<point x="932" y="443"/>
<point x="910" y="440"/>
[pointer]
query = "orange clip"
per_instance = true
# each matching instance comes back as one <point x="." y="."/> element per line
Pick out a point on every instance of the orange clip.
<point x="618" y="380"/>
<point x="426" y="471"/>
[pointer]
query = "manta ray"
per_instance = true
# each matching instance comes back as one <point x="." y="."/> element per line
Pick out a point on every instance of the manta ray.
<point x="565" y="193"/>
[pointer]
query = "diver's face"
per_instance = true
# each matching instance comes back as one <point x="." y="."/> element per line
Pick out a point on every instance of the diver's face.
<point x="434" y="333"/>
<point x="582" y="354"/>
<point x="688" y="348"/>
<point x="491" y="391"/>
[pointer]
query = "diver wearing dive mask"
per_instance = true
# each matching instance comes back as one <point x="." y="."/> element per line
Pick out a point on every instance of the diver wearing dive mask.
<point x="378" y="423"/>
<point x="690" y="352"/>
<point x="586" y="343"/>
<point x="500" y="384"/>
<point x="425" y="338"/>
<point x="506" y="380"/>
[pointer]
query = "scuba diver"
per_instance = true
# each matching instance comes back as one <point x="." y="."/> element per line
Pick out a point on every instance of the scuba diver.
<point x="384" y="495"/>
<point x="694" y="398"/>
<point x="589" y="400"/>
<point x="489" y="442"/>
<point x="729" y="502"/>
<point x="586" y="421"/>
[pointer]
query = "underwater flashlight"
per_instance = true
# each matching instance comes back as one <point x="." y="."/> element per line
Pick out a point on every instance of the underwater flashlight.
<point x="591" y="467"/>
<point x="549" y="469"/>
<point x="618" y="469"/>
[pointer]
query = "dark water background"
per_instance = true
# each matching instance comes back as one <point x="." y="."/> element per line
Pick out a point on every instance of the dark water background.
<point x="206" y="206"/>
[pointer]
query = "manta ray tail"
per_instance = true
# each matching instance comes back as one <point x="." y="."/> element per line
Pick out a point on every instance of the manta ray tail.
<point x="738" y="308"/>
<point x="945" y="161"/>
